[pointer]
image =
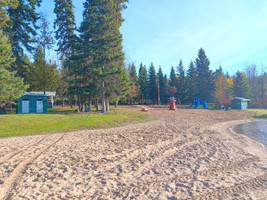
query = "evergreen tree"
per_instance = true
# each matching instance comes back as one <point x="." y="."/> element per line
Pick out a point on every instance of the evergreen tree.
<point x="11" y="87"/>
<point x="5" y="52"/>
<point x="22" y="28"/>
<point x="191" y="82"/>
<point x="143" y="83"/>
<point x="65" y="27"/>
<point x="163" y="85"/>
<point x="173" y="81"/>
<point x="36" y="76"/>
<point x="102" y="39"/>
<point x="182" y="89"/>
<point x="4" y="4"/>
<point x="205" y="83"/>
<point x="134" y="90"/>
<point x="241" y="86"/>
<point x="152" y="84"/>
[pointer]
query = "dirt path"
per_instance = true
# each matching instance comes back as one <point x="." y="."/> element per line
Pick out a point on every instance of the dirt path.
<point x="187" y="154"/>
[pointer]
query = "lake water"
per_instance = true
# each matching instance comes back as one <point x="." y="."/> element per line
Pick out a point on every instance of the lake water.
<point x="254" y="130"/>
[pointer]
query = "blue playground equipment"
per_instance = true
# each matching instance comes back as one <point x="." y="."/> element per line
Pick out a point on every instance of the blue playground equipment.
<point x="197" y="103"/>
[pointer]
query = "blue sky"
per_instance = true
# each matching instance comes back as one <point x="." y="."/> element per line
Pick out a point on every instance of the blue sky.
<point x="233" y="33"/>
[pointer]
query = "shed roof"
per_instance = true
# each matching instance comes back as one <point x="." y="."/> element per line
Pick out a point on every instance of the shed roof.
<point x="240" y="98"/>
<point x="38" y="93"/>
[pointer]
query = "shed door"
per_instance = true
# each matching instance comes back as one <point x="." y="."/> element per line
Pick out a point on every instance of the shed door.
<point x="25" y="106"/>
<point x="39" y="106"/>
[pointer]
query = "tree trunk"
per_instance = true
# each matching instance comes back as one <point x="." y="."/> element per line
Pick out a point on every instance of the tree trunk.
<point x="117" y="103"/>
<point x="103" y="97"/>
<point x="107" y="105"/>
<point x="2" y="110"/>
<point x="63" y="102"/>
<point x="89" y="104"/>
<point x="96" y="104"/>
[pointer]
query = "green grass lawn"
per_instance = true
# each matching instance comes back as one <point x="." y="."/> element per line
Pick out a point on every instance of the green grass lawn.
<point x="63" y="120"/>
<point x="260" y="112"/>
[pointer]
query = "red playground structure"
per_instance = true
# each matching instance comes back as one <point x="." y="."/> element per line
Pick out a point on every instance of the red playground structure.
<point x="172" y="103"/>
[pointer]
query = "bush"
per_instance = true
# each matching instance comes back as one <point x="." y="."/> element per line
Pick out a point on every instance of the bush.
<point x="256" y="105"/>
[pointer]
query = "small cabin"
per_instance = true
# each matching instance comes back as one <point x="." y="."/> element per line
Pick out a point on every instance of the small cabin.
<point x="32" y="103"/>
<point x="239" y="103"/>
<point x="50" y="96"/>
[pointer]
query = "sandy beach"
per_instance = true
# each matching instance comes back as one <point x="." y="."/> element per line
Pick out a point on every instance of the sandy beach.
<point x="185" y="154"/>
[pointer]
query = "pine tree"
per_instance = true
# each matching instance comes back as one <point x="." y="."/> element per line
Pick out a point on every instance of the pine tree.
<point x="182" y="89"/>
<point x="36" y="76"/>
<point x="173" y="81"/>
<point x="152" y="84"/>
<point x="134" y="90"/>
<point x="22" y="28"/>
<point x="4" y="4"/>
<point x="5" y="52"/>
<point x="143" y="83"/>
<point x="191" y="82"/>
<point x="102" y="39"/>
<point x="205" y="83"/>
<point x="163" y="85"/>
<point x="11" y="87"/>
<point x="241" y="86"/>
<point x="65" y="27"/>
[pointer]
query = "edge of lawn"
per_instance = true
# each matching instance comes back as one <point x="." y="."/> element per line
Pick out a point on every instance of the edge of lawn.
<point x="261" y="113"/>
<point x="60" y="121"/>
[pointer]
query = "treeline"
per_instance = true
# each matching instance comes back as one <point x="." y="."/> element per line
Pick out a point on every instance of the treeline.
<point x="197" y="81"/>
<point x="92" y="68"/>
<point x="92" y="61"/>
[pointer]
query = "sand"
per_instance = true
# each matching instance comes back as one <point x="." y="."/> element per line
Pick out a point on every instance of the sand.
<point x="186" y="154"/>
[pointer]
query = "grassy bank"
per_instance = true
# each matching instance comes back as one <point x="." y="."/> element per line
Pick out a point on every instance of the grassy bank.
<point x="60" y="120"/>
<point x="260" y="113"/>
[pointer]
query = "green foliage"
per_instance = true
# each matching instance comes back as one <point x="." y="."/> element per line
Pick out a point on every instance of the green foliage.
<point x="173" y="81"/>
<point x="163" y="86"/>
<point x="143" y="82"/>
<point x="11" y="87"/>
<point x="152" y="84"/>
<point x="241" y="86"/>
<point x="4" y="4"/>
<point x="191" y="82"/>
<point x="22" y="26"/>
<point x="182" y="88"/>
<point x="205" y="82"/>
<point x="102" y="41"/>
<point x="65" y="27"/>
<point x="38" y="75"/>
<point x="5" y="52"/>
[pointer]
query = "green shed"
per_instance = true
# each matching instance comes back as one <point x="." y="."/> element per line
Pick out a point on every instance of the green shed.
<point x="239" y="103"/>
<point x="32" y="103"/>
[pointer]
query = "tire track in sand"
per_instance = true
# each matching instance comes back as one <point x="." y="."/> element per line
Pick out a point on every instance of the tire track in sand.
<point x="12" y="154"/>
<point x="10" y="181"/>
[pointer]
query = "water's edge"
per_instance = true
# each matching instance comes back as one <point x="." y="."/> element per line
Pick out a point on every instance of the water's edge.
<point x="255" y="130"/>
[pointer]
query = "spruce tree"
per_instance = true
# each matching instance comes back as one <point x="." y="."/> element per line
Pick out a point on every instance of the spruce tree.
<point x="173" y="81"/>
<point x="152" y="84"/>
<point x="11" y="86"/>
<point x="64" y="25"/>
<point x="102" y="39"/>
<point x="22" y="28"/>
<point x="191" y="82"/>
<point x="5" y="52"/>
<point x="241" y="86"/>
<point x="182" y="89"/>
<point x="143" y="83"/>
<point x="205" y="83"/>
<point x="163" y="87"/>
<point x="4" y="5"/>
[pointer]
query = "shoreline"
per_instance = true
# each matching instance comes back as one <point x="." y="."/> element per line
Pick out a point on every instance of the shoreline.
<point x="186" y="154"/>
